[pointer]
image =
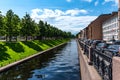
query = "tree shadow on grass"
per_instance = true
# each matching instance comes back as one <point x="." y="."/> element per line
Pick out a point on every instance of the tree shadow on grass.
<point x="17" y="47"/>
<point x="32" y="45"/>
<point x="44" y="42"/>
<point x="3" y="54"/>
<point x="38" y="42"/>
<point x="49" y="44"/>
<point x="53" y="42"/>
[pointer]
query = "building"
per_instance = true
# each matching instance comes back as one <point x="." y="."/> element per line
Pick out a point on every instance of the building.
<point x="110" y="27"/>
<point x="95" y="27"/>
<point x="104" y="27"/>
<point x="80" y="35"/>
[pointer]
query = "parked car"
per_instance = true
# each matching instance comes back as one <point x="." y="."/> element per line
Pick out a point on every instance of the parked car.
<point x="112" y="50"/>
<point x="117" y="42"/>
<point x="95" y="42"/>
<point x="90" y="42"/>
<point x="111" y="41"/>
<point x="101" y="46"/>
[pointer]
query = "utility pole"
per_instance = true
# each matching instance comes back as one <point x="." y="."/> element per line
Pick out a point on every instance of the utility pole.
<point x="119" y="19"/>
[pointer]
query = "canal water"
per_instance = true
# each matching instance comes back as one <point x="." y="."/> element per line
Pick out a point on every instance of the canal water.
<point x="59" y="64"/>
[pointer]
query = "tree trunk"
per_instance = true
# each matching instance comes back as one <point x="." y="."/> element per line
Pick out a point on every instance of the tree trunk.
<point x="33" y="37"/>
<point x="10" y="38"/>
<point x="16" y="38"/>
<point x="6" y="38"/>
<point x="26" y="38"/>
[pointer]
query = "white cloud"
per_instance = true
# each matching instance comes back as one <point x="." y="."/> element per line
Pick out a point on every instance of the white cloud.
<point x="115" y="1"/>
<point x="96" y="3"/>
<point x="65" y="20"/>
<point x="88" y="0"/>
<point x="3" y="12"/>
<point x="108" y="0"/>
<point x="83" y="11"/>
<point x="74" y="12"/>
<point x="68" y="0"/>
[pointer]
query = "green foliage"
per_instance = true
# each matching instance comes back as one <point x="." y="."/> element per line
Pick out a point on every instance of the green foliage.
<point x="12" y="26"/>
<point x="29" y="27"/>
<point x="9" y="25"/>
<point x="26" y="26"/>
<point x="2" y="25"/>
<point x="49" y="31"/>
<point x="16" y="25"/>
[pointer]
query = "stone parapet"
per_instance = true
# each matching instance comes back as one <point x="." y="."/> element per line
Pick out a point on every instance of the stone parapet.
<point x="88" y="72"/>
<point x="116" y="68"/>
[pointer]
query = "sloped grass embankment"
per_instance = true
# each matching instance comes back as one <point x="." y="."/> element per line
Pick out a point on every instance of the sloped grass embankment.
<point x="11" y="52"/>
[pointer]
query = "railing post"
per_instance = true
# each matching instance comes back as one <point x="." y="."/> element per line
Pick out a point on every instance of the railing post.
<point x="84" y="49"/>
<point x="90" y="53"/>
<point x="102" y="62"/>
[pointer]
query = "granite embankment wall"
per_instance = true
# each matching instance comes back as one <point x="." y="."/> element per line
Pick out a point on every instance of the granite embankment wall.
<point x="116" y="68"/>
<point x="88" y="72"/>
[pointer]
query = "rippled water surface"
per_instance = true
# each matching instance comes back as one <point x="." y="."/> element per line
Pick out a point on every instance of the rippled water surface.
<point x="59" y="64"/>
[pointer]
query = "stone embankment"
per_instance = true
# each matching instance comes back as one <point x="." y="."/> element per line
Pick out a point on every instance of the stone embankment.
<point x="88" y="72"/>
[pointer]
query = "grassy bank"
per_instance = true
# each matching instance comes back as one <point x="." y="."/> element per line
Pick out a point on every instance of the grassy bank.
<point x="11" y="52"/>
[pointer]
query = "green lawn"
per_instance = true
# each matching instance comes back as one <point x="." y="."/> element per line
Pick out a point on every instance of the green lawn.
<point x="11" y="52"/>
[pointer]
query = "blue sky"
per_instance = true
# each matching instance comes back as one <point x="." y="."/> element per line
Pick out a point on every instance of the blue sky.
<point x="68" y="15"/>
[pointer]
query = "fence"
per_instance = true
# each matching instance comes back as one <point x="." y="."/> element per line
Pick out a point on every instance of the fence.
<point x="102" y="62"/>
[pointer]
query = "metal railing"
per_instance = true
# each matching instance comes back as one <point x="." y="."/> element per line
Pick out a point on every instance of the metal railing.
<point x="102" y="62"/>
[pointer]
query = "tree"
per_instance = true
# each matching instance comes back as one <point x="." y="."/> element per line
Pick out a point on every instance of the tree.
<point x="2" y="25"/>
<point x="16" y="25"/>
<point x="35" y="30"/>
<point x="29" y="27"/>
<point x="9" y="25"/>
<point x="41" y="29"/>
<point x="12" y="26"/>
<point x="26" y="26"/>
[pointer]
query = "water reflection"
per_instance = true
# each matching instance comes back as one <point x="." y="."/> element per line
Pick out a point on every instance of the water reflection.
<point x="59" y="64"/>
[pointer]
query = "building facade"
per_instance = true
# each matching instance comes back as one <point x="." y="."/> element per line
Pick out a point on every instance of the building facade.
<point x="110" y="27"/>
<point x="95" y="27"/>
<point x="104" y="27"/>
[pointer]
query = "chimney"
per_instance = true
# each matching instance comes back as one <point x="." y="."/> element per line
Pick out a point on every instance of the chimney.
<point x="119" y="18"/>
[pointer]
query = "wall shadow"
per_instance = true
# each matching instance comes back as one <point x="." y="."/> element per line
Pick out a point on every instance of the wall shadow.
<point x="17" y="47"/>
<point x="3" y="54"/>
<point x="32" y="45"/>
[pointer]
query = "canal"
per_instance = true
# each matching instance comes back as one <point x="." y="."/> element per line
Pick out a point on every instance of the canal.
<point x="59" y="64"/>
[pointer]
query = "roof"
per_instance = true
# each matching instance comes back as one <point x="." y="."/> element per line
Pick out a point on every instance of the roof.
<point x="103" y="17"/>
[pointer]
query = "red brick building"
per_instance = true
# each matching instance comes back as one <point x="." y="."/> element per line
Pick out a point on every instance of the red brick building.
<point x="95" y="27"/>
